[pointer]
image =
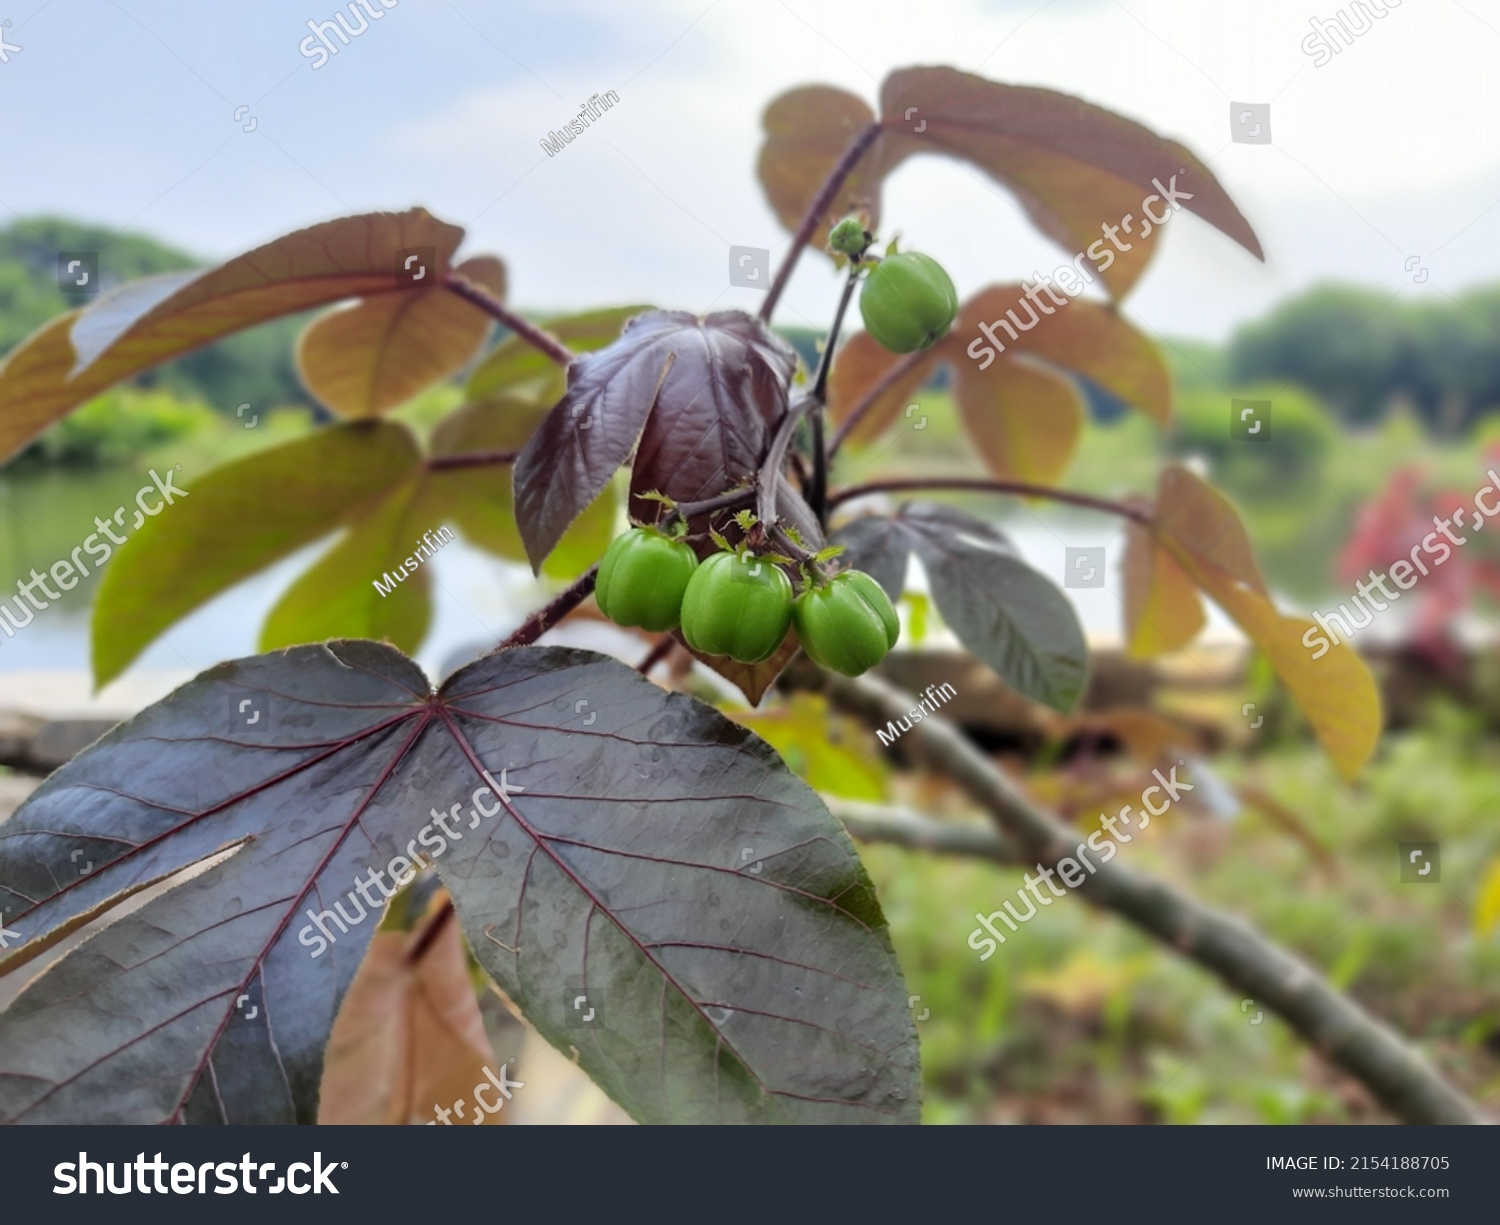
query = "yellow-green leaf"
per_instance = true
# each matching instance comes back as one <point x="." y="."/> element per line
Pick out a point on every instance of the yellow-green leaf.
<point x="827" y="751"/>
<point x="338" y="598"/>
<point x="1487" y="905"/>
<point x="235" y="521"/>
<point x="1334" y="688"/>
<point x="1163" y="611"/>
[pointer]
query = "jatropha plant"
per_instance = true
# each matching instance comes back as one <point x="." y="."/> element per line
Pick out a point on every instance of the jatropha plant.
<point x="611" y="864"/>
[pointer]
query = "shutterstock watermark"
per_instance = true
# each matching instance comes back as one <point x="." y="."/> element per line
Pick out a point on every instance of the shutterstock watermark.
<point x="501" y="1085"/>
<point x="1072" y="277"/>
<point x="1323" y="43"/>
<point x="6" y="47"/>
<point x="318" y="47"/>
<point x="428" y="838"/>
<point x="587" y="113"/>
<point x="1071" y="867"/>
<point x="65" y="573"/>
<point x="1404" y="572"/>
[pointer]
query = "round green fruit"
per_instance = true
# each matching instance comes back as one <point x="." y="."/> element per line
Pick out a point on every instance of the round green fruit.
<point x="739" y="606"/>
<point x="908" y="302"/>
<point x="847" y="626"/>
<point x="848" y="237"/>
<point x="642" y="579"/>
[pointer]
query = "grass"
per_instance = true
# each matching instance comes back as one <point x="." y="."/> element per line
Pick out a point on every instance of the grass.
<point x="1078" y="1017"/>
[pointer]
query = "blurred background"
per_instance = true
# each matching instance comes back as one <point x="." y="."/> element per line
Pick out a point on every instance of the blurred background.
<point x="159" y="135"/>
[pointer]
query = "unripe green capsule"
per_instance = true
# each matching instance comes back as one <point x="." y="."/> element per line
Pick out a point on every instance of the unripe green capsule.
<point x="848" y="237"/>
<point x="908" y="302"/>
<point x="847" y="626"/>
<point x="739" y="606"/>
<point x="642" y="579"/>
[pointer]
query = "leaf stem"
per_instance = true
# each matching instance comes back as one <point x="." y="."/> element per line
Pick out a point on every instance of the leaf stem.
<point x="495" y="309"/>
<point x="1020" y="489"/>
<point x="841" y="171"/>
<point x="767" y="481"/>
<point x="431" y="932"/>
<point x="550" y="614"/>
<point x="475" y="459"/>
<point x="656" y="654"/>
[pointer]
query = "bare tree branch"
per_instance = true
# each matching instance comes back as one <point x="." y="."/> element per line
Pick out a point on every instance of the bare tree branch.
<point x="1334" y="1025"/>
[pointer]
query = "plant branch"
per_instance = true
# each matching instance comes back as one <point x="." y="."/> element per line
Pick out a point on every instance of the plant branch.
<point x="431" y="932"/>
<point x="867" y="401"/>
<point x="767" y="482"/>
<point x="550" y="614"/>
<point x="656" y="654"/>
<point x="842" y="169"/>
<point x="903" y="828"/>
<point x="495" y="309"/>
<point x="1014" y="488"/>
<point x="475" y="459"/>
<point x="1334" y="1025"/>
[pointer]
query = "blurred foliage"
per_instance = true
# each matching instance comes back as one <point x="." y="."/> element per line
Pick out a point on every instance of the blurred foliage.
<point x="119" y="425"/>
<point x="1079" y="1018"/>
<point x="1363" y="351"/>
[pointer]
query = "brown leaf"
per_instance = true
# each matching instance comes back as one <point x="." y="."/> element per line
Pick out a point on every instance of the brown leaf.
<point x="408" y="1037"/>
<point x="73" y="358"/>
<point x="807" y="131"/>
<point x="364" y="359"/>
<point x="860" y="365"/>
<point x="1074" y="166"/>
<point x="1198" y="518"/>
<point x="753" y="680"/>
<point x="1082" y="336"/>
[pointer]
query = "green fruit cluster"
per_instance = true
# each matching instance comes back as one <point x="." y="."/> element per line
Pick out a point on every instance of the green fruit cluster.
<point x="908" y="302"/>
<point x="742" y="605"/>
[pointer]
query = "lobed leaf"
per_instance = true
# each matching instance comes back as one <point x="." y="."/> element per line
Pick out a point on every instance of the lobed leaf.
<point x="610" y="866"/>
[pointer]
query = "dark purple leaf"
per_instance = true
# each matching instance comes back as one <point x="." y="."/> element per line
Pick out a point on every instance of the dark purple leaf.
<point x="654" y="858"/>
<point x="714" y="417"/>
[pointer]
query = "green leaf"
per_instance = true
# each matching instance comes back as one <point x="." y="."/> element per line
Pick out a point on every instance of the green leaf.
<point x="338" y="597"/>
<point x="236" y="521"/>
<point x="650" y="858"/>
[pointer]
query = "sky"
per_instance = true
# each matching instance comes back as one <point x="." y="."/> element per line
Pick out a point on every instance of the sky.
<point x="1383" y="168"/>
